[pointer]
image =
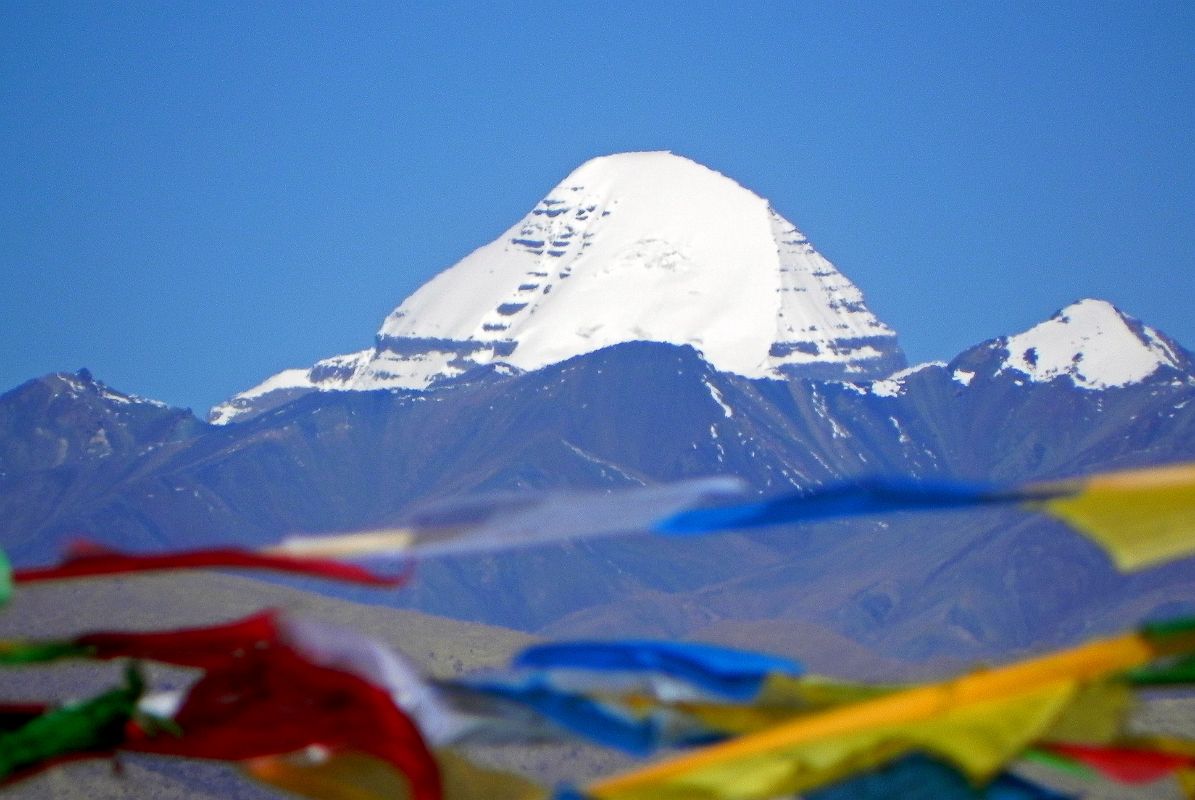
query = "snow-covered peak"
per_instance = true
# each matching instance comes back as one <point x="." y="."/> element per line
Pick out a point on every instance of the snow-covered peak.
<point x="628" y="247"/>
<point x="1092" y="344"/>
<point x="649" y="246"/>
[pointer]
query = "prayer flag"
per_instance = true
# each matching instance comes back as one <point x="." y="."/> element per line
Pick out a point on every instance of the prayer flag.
<point x="88" y="728"/>
<point x="272" y="701"/>
<point x="357" y="776"/>
<point x="5" y="579"/>
<point x="88" y="560"/>
<point x="721" y="671"/>
<point x="977" y="722"/>
<point x="1139" y="517"/>
<point x="1124" y="764"/>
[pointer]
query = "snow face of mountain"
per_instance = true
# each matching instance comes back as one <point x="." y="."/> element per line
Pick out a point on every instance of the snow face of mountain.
<point x="1094" y="346"/>
<point x="629" y="247"/>
<point x="651" y="247"/>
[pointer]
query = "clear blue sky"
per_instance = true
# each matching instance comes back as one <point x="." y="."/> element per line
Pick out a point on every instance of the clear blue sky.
<point x="195" y="196"/>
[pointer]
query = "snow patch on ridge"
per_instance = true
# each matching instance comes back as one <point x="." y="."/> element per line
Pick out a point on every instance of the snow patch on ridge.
<point x="287" y="379"/>
<point x="714" y="393"/>
<point x="962" y="376"/>
<point x="894" y="384"/>
<point x="82" y="382"/>
<point x="1093" y="345"/>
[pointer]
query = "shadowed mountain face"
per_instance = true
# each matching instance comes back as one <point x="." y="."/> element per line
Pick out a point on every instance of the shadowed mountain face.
<point x="910" y="586"/>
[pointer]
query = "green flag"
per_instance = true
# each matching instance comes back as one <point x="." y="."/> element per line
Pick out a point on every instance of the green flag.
<point x="5" y="579"/>
<point x="94" y="725"/>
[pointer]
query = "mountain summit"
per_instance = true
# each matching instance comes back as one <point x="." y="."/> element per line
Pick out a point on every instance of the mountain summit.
<point x="629" y="247"/>
<point x="1095" y="346"/>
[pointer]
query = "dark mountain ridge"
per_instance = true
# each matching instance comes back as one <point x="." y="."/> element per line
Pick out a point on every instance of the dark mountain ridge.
<point x="913" y="586"/>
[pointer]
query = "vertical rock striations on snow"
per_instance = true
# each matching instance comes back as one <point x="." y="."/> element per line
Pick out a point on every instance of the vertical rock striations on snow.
<point x="629" y="247"/>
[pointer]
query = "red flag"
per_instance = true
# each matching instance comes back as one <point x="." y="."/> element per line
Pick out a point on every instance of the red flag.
<point x="89" y="559"/>
<point x="271" y="701"/>
<point x="1127" y="765"/>
<point x="207" y="648"/>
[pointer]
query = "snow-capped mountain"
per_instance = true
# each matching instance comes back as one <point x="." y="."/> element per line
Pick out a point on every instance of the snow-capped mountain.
<point x="629" y="247"/>
<point x="1088" y="345"/>
<point x="1094" y="346"/>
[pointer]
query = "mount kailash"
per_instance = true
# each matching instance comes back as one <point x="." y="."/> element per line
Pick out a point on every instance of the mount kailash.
<point x="630" y="247"/>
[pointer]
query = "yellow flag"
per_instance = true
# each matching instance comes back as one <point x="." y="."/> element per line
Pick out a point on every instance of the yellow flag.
<point x="978" y="721"/>
<point x="1186" y="782"/>
<point x="1097" y="715"/>
<point x="358" y="776"/>
<point x="1141" y="517"/>
<point x="781" y="698"/>
<point x="978" y="738"/>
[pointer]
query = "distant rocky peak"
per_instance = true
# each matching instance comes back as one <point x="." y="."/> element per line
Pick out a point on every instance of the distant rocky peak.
<point x="82" y="384"/>
<point x="72" y="417"/>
